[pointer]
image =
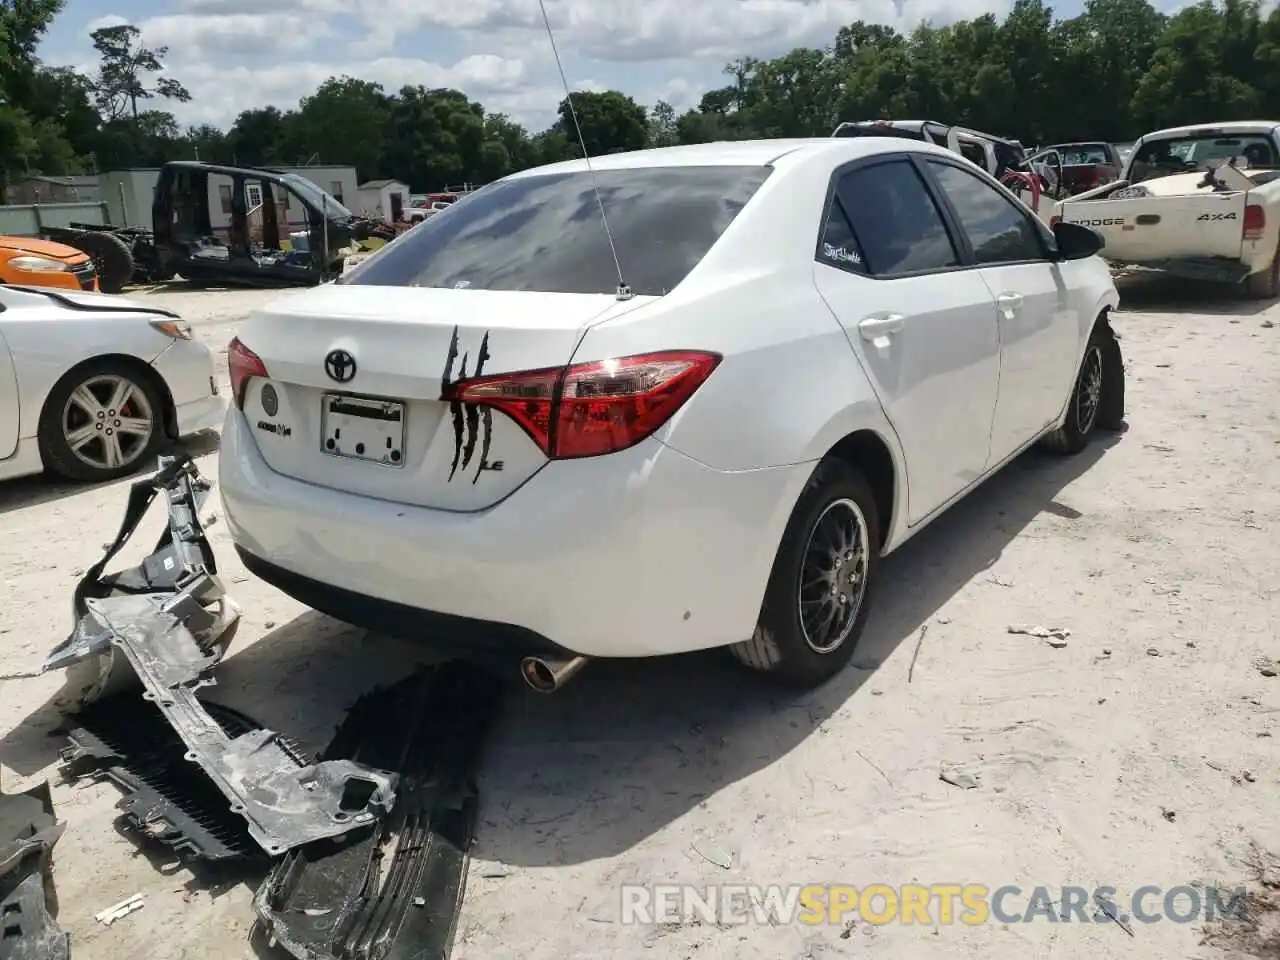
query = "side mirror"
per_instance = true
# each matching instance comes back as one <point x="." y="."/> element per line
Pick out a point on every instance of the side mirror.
<point x="1076" y="242"/>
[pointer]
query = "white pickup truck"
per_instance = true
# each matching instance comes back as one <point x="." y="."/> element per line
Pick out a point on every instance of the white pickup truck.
<point x="1201" y="202"/>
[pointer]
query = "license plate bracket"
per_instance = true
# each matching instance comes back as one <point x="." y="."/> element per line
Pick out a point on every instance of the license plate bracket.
<point x="369" y="429"/>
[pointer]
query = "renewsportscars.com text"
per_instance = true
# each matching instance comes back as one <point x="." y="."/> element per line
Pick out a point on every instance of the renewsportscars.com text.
<point x="938" y="904"/>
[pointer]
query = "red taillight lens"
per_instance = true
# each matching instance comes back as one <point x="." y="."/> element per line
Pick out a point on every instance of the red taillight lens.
<point x="243" y="365"/>
<point x="1255" y="222"/>
<point x="589" y="409"/>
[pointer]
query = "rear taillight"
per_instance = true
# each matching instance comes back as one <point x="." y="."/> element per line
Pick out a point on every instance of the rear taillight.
<point x="243" y="365"/>
<point x="589" y="409"/>
<point x="1255" y="222"/>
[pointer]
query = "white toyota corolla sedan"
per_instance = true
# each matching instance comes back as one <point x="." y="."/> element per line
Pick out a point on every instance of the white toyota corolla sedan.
<point x="484" y="434"/>
<point x="91" y="384"/>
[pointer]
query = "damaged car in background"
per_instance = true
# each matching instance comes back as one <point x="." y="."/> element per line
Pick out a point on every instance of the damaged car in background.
<point x="587" y="413"/>
<point x="364" y="847"/>
<point x="1200" y="202"/>
<point x="282" y="229"/>
<point x="91" y="385"/>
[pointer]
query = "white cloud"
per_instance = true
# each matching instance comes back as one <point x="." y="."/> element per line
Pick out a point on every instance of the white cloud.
<point x="237" y="54"/>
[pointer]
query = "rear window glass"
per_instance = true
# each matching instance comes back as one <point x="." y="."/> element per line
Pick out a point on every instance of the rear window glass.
<point x="544" y="232"/>
<point x="1186" y="154"/>
<point x="1082" y="154"/>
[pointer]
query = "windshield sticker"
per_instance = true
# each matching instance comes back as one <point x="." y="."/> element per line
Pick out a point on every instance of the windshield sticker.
<point x="471" y="423"/>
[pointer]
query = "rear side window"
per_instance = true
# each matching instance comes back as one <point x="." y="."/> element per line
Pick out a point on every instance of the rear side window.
<point x="974" y="154"/>
<point x="1080" y="156"/>
<point x="998" y="229"/>
<point x="544" y="232"/>
<point x="839" y="247"/>
<point x="896" y="221"/>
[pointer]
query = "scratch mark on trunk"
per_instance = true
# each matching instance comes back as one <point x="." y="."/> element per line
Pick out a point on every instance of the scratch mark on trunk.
<point x="473" y="411"/>
<point x="447" y="379"/>
<point x="487" y="414"/>
<point x="455" y="409"/>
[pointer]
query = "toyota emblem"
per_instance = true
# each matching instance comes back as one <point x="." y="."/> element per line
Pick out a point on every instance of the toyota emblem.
<point x="340" y="366"/>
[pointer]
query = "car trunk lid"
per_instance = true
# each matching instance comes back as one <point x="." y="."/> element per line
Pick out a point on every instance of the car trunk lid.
<point x="353" y="397"/>
<point x="1176" y="219"/>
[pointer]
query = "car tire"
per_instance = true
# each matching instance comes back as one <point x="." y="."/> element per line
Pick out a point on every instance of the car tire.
<point x="1265" y="284"/>
<point x="112" y="258"/>
<point x="837" y="504"/>
<point x="1097" y="396"/>
<point x="61" y="417"/>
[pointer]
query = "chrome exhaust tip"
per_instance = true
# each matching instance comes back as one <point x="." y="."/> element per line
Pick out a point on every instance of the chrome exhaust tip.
<point x="548" y="676"/>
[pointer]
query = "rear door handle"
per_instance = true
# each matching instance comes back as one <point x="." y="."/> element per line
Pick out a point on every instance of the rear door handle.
<point x="877" y="328"/>
<point x="1010" y="303"/>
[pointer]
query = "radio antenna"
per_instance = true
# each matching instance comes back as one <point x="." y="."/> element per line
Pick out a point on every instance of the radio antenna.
<point x="624" y="291"/>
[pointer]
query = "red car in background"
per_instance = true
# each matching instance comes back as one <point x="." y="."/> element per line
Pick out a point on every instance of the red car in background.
<point x="1077" y="167"/>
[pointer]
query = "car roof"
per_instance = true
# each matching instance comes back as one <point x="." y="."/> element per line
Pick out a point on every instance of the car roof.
<point x="745" y="153"/>
<point x="1232" y="126"/>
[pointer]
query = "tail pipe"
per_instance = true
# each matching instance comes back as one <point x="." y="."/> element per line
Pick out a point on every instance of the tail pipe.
<point x="546" y="675"/>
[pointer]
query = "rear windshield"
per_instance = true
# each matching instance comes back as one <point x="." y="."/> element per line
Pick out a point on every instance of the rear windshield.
<point x="870" y="128"/>
<point x="1079" y="154"/>
<point x="1188" y="154"/>
<point x="544" y="232"/>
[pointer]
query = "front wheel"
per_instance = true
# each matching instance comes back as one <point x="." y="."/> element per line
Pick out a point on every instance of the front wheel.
<point x="100" y="421"/>
<point x="1097" y="398"/>
<point x="819" y="593"/>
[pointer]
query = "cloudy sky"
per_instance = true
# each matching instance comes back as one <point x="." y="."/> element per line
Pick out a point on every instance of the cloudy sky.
<point x="236" y="54"/>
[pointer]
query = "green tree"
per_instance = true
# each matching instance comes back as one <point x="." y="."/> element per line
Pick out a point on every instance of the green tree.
<point x="662" y="125"/>
<point x="349" y="116"/>
<point x="27" y="139"/>
<point x="125" y="69"/>
<point x="260" y="137"/>
<point x="608" y="121"/>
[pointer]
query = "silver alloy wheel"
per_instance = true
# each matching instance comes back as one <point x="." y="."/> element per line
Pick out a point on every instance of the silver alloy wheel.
<point x="833" y="576"/>
<point x="108" y="422"/>
<point x="1089" y="390"/>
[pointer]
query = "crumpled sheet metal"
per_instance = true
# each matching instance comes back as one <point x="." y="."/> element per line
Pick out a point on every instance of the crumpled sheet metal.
<point x="169" y="620"/>
<point x="285" y="805"/>
<point x="28" y="902"/>
<point x="181" y="557"/>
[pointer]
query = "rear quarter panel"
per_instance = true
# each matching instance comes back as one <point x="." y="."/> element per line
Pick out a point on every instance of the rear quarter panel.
<point x="789" y="385"/>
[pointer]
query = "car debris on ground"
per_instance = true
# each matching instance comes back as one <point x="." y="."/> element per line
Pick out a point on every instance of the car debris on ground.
<point x="28" y="899"/>
<point x="213" y="785"/>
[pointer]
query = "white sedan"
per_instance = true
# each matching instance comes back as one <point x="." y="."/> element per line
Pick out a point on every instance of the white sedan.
<point x="700" y="427"/>
<point x="91" y="384"/>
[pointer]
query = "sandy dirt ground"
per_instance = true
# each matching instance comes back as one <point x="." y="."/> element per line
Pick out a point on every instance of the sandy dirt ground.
<point x="1146" y="750"/>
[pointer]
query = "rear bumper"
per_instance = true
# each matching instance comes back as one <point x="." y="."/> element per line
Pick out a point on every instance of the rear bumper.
<point x="205" y="414"/>
<point x="640" y="553"/>
<point x="1211" y="269"/>
<point x="188" y="370"/>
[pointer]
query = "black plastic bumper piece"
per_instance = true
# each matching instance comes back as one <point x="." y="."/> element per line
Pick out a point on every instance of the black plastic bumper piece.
<point x="28" y="901"/>
<point x="393" y="892"/>
<point x="168" y="800"/>
<point x="400" y="620"/>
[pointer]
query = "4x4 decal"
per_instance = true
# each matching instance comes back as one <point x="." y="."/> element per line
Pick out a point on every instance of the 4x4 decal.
<point x="471" y="422"/>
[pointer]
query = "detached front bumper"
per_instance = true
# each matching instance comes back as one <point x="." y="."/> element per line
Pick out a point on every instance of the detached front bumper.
<point x="640" y="553"/>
